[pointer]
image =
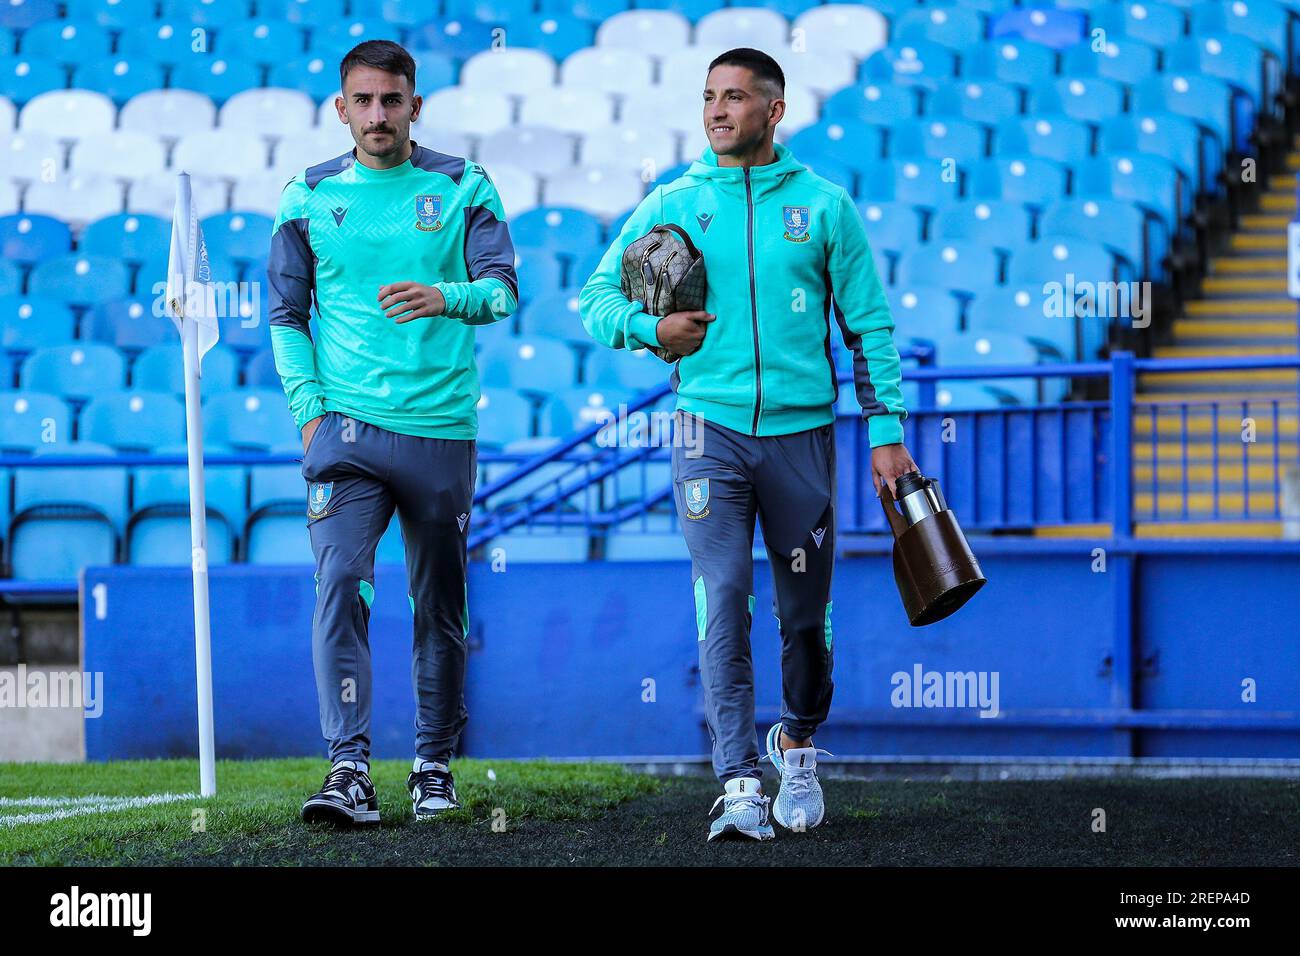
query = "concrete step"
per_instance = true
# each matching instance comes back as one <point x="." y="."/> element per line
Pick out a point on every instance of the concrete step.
<point x="1215" y="286"/>
<point x="1264" y="221"/>
<point x="1242" y="350"/>
<point x="1278" y="202"/>
<point x="1228" y="424"/>
<point x="1261" y="265"/>
<point x="1204" y="505"/>
<point x="1262" y="530"/>
<point x="1236" y="330"/>
<point x="1244" y="384"/>
<point x="1231" y="307"/>
<point x="1263" y="242"/>
<point x="1203" y="448"/>
<point x="1261" y="473"/>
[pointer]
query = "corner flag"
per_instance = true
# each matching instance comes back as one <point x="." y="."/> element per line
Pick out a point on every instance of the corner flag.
<point x="191" y="303"/>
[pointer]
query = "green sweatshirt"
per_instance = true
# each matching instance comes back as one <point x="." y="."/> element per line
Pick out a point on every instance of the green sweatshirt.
<point x="344" y="230"/>
<point x="784" y="250"/>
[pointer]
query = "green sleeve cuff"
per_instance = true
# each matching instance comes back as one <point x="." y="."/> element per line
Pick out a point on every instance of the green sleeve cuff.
<point x="642" y="327"/>
<point x="314" y="409"/>
<point x="884" y="430"/>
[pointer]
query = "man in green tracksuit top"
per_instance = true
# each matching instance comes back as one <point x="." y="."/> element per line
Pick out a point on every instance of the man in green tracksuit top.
<point x="404" y="250"/>
<point x="783" y="249"/>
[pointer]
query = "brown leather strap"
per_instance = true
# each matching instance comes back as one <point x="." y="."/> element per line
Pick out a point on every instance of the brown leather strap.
<point x="897" y="523"/>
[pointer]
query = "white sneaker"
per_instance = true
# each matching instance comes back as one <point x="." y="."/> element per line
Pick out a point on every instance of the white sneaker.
<point x="432" y="789"/>
<point x="744" y="812"/>
<point x="799" y="805"/>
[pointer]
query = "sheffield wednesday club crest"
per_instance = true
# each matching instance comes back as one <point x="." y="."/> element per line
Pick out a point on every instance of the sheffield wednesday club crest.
<point x="697" y="497"/>
<point x="428" y="212"/>
<point x="796" y="223"/>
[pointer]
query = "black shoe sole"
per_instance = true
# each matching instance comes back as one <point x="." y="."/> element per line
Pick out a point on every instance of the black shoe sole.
<point x="338" y="816"/>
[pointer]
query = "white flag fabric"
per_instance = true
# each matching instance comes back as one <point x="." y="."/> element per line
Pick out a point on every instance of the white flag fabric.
<point x="191" y="296"/>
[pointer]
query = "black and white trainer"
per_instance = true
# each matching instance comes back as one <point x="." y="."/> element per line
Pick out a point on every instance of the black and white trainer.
<point x="432" y="789"/>
<point x="346" y="797"/>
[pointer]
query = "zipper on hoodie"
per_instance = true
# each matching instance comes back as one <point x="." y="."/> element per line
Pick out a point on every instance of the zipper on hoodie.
<point x="753" y="304"/>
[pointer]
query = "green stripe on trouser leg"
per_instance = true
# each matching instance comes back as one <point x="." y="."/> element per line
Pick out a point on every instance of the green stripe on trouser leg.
<point x="828" y="624"/>
<point x="701" y="607"/>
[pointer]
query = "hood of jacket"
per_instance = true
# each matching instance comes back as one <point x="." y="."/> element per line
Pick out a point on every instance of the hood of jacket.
<point x="731" y="179"/>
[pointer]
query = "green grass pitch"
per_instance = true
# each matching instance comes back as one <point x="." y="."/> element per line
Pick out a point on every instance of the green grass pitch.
<point x="558" y="814"/>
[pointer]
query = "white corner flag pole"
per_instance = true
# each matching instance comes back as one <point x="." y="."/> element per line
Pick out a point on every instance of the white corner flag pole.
<point x="193" y="310"/>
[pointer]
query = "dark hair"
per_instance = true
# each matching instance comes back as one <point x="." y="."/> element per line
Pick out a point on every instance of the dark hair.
<point x="382" y="55"/>
<point x="764" y="68"/>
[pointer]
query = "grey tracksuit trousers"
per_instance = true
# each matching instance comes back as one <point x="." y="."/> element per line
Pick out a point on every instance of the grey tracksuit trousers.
<point x="357" y="474"/>
<point x="788" y="483"/>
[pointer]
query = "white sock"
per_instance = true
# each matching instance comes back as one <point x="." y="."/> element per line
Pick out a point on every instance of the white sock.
<point x="422" y="764"/>
<point x="362" y="765"/>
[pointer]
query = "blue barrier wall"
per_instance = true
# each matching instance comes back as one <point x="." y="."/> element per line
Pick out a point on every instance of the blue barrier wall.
<point x="1147" y="663"/>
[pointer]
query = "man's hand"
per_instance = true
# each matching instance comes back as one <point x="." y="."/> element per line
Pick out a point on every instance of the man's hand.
<point x="682" y="332"/>
<point x="309" y="430"/>
<point x="410" y="300"/>
<point x="889" y="462"/>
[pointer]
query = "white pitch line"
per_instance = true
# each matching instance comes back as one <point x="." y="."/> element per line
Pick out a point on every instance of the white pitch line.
<point x="82" y="806"/>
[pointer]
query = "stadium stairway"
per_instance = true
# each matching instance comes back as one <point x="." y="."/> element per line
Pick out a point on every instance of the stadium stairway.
<point x="1190" y="440"/>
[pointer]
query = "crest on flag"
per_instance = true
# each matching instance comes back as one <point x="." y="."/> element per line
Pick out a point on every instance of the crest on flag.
<point x="697" y="497"/>
<point x="796" y="223"/>
<point x="428" y="210"/>
<point x="190" y="295"/>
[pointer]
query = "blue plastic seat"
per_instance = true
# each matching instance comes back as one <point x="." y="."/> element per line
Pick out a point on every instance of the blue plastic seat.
<point x="1025" y="179"/>
<point x="1021" y="309"/>
<point x="827" y="167"/>
<point x="952" y="26"/>
<point x="926" y="183"/>
<point x="1090" y="99"/>
<point x="1055" y="137"/>
<point x="161" y="368"/>
<point x="878" y="103"/>
<point x="1173" y="137"/>
<point x="317" y="76"/>
<point x="539" y="272"/>
<point x="995" y="348"/>
<point x="30" y="322"/>
<point x="262" y="41"/>
<point x="455" y="38"/>
<point x="158" y="531"/>
<point x="980" y="101"/>
<point x="261" y="371"/>
<point x="118" y="78"/>
<point x="133" y="237"/>
<point x="503" y="416"/>
<point x="242" y="236"/>
<point x="1053" y="256"/>
<point x="1123" y="58"/>
<point x="77" y="371"/>
<point x="998" y="223"/>
<point x="280" y="539"/>
<point x="892" y="226"/>
<point x="205" y="14"/>
<point x="166" y="41"/>
<point x="1204" y="99"/>
<point x="334" y="41"/>
<point x="1236" y="60"/>
<point x="29" y="420"/>
<point x="849" y="142"/>
<point x="970" y="395"/>
<point x="920" y="63"/>
<point x="555" y="315"/>
<point x="560" y="36"/>
<point x="215" y="77"/>
<point x="922" y="313"/>
<point x="1117" y="223"/>
<point x="303" y="12"/>
<point x="1010" y="60"/>
<point x="23" y="77"/>
<point x="638" y="370"/>
<point x="527" y="363"/>
<point x="111" y="13"/>
<point x="129" y="324"/>
<point x="576" y="409"/>
<point x="555" y="228"/>
<point x="1056" y="29"/>
<point x="961" y="265"/>
<point x="81" y="280"/>
<point x="20" y="15"/>
<point x="1150" y="181"/>
<point x="133" y="421"/>
<point x="1263" y="21"/>
<point x="66" y="518"/>
<point x="11" y="278"/>
<point x="1158" y="24"/>
<point x="67" y="42"/>
<point x="938" y="138"/>
<point x="31" y="239"/>
<point x="252" y="419"/>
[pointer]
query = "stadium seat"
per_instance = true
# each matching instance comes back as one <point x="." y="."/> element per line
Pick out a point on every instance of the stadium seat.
<point x="926" y="183"/>
<point x="64" y="520"/>
<point x="1117" y="223"/>
<point x="275" y="113"/>
<point x="631" y="148"/>
<point x="32" y="321"/>
<point x="569" y="109"/>
<point x="24" y="78"/>
<point x="1123" y="58"/>
<point x="1022" y="310"/>
<point x="893" y="226"/>
<point x="503" y="416"/>
<point x="129" y="324"/>
<point x="169" y="114"/>
<point x="161" y="369"/>
<point x="529" y="364"/>
<point x="242" y="236"/>
<point x="111" y="13"/>
<point x="204" y="14"/>
<point x="554" y="315"/>
<point x="600" y="190"/>
<point x="81" y="280"/>
<point x="917" y="63"/>
<point x="537" y="149"/>
<point x="31" y="239"/>
<point x="30" y="156"/>
<point x="1001" y="224"/>
<point x="1088" y="99"/>
<point x="742" y="26"/>
<point x="158" y="531"/>
<point x="879" y="103"/>
<point x="922" y="313"/>
<point x="67" y="42"/>
<point x="1051" y="136"/>
<point x="261" y="371"/>
<point x="509" y="71"/>
<point x="123" y="154"/>
<point x="1010" y="60"/>
<point x="1056" y="29"/>
<point x="637" y="370"/>
<point x="1025" y="179"/>
<point x="954" y="27"/>
<point x="251" y="419"/>
<point x="1174" y="137"/>
<point x="76" y="199"/>
<point x="469" y="111"/>
<point x="852" y="28"/>
<point x="940" y="138"/>
<point x="166" y="42"/>
<point x="980" y="101"/>
<point x="31" y="419"/>
<point x="539" y="270"/>
<point x="315" y="75"/>
<point x="217" y="155"/>
<point x="961" y="265"/>
<point x="1158" y="24"/>
<point x="128" y="236"/>
<point x="132" y="421"/>
<point x="849" y="142"/>
<point x="334" y="40"/>
<point x="555" y="228"/>
<point x="995" y="348"/>
<point x="75" y="371"/>
<point x="215" y="77"/>
<point x="264" y="40"/>
<point x="118" y="79"/>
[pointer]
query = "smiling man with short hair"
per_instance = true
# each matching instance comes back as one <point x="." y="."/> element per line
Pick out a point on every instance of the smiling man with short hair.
<point x="784" y="250"/>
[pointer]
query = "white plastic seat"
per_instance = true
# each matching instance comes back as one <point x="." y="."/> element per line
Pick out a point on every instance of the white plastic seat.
<point x="842" y="26"/>
<point x="156" y="195"/>
<point x="518" y="188"/>
<point x="303" y="150"/>
<point x="68" y="114"/>
<point x="259" y="193"/>
<point x="8" y="114"/>
<point x="453" y="142"/>
<point x="676" y="108"/>
<point x="610" y="70"/>
<point x="8" y="197"/>
<point x="630" y="148"/>
<point x="169" y="114"/>
<point x="828" y="71"/>
<point x="687" y="69"/>
<point x="76" y="199"/>
<point x="538" y="149"/>
<point x="217" y="154"/>
<point x="566" y="108"/>
<point x="29" y="155"/>
<point x="124" y="154"/>
<point x="272" y="112"/>
<point x="469" y="111"/>
<point x="651" y="31"/>
<point x="602" y="190"/>
<point x="508" y="70"/>
<point x="743" y="26"/>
